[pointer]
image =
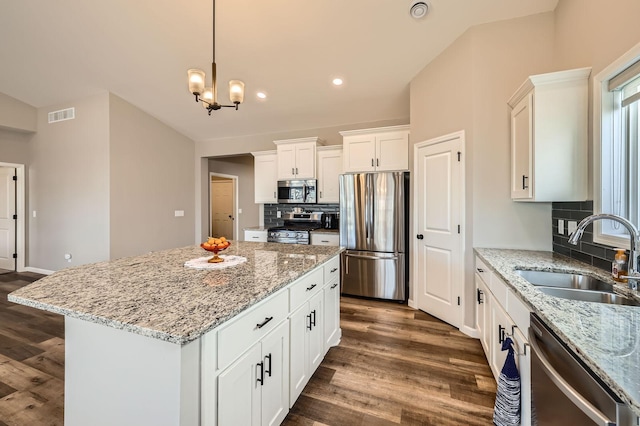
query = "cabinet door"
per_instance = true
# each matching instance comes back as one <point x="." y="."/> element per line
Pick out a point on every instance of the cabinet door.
<point x="331" y="315"/>
<point x="392" y="151"/>
<point x="523" y="359"/>
<point x="501" y="324"/>
<point x="266" y="178"/>
<point x="286" y="161"/>
<point x="522" y="178"/>
<point x="299" y="352"/>
<point x="305" y="162"/>
<point x="329" y="170"/>
<point x="481" y="312"/>
<point x="275" y="388"/>
<point x="316" y="332"/>
<point x="359" y="153"/>
<point x="239" y="391"/>
<point x="321" y="239"/>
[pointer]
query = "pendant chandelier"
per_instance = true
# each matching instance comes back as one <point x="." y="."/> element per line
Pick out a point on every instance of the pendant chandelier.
<point x="209" y="95"/>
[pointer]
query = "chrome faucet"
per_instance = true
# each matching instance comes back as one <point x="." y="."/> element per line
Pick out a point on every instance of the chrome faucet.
<point x="633" y="275"/>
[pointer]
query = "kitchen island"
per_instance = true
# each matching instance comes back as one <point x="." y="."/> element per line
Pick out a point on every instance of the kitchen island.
<point x="604" y="336"/>
<point x="150" y="341"/>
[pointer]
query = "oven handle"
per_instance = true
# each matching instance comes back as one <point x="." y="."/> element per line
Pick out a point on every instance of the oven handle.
<point x="578" y="400"/>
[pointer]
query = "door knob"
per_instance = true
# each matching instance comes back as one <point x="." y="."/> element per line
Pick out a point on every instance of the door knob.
<point x="231" y="217"/>
<point x="420" y="236"/>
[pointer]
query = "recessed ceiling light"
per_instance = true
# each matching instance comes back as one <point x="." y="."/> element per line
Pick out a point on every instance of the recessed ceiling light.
<point x="261" y="95"/>
<point x="337" y="81"/>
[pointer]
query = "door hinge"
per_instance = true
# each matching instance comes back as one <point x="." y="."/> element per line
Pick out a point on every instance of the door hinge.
<point x="15" y="177"/>
<point x="15" y="217"/>
<point x="459" y="156"/>
<point x="15" y="255"/>
<point x="458" y="229"/>
<point x="458" y="300"/>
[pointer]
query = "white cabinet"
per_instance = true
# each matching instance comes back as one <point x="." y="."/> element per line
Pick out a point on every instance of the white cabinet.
<point x="307" y="344"/>
<point x="332" y="332"/>
<point x="329" y="168"/>
<point x="254" y="390"/>
<point x="297" y="158"/>
<point x="500" y="313"/>
<point x="380" y="149"/>
<point x="265" y="176"/>
<point x="256" y="235"/>
<point x="319" y="238"/>
<point x="549" y="137"/>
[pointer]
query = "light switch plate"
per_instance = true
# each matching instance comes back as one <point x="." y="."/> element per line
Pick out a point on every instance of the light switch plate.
<point x="561" y="226"/>
<point x="571" y="226"/>
<point x="178" y="213"/>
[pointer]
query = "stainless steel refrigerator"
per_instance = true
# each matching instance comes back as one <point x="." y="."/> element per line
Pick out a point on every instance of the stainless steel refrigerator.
<point x="374" y="221"/>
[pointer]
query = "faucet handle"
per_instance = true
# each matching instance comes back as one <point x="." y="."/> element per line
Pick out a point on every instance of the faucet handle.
<point x="632" y="279"/>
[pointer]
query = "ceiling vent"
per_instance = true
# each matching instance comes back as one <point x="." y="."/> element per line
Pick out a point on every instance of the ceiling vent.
<point x="419" y="9"/>
<point x="62" y="115"/>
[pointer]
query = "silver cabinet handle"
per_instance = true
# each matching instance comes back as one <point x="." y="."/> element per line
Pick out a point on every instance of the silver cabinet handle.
<point x="480" y="270"/>
<point x="585" y="406"/>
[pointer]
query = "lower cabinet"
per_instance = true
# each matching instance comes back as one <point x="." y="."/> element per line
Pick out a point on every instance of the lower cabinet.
<point x="331" y="314"/>
<point x="307" y="344"/>
<point x="500" y="314"/>
<point x="254" y="390"/>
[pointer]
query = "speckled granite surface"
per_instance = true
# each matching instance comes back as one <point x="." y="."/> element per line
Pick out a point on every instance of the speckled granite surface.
<point x="155" y="295"/>
<point x="605" y="337"/>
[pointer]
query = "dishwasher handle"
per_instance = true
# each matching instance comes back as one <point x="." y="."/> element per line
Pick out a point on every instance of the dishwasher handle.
<point x="585" y="406"/>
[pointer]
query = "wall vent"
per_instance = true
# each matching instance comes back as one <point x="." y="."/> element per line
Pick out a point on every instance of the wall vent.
<point x="62" y="115"/>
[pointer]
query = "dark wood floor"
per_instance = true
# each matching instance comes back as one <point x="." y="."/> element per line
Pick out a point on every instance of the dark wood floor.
<point x="395" y="365"/>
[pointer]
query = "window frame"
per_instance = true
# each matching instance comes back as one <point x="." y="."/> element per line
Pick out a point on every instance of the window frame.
<point x="604" y="125"/>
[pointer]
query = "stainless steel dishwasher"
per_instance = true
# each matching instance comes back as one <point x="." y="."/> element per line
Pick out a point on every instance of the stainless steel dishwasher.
<point x="564" y="390"/>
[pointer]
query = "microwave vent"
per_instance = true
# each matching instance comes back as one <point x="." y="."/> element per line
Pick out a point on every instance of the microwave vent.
<point x="62" y="115"/>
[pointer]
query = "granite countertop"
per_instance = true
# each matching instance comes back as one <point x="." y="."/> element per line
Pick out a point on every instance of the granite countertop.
<point x="155" y="295"/>
<point x="606" y="337"/>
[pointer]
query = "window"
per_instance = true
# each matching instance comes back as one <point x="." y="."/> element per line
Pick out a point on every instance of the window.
<point x="616" y="127"/>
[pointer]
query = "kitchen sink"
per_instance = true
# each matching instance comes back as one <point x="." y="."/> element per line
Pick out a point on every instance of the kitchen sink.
<point x="575" y="287"/>
<point x="565" y="280"/>
<point x="588" y="296"/>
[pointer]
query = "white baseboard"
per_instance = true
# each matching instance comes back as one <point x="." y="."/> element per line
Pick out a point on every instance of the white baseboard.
<point x="471" y="332"/>
<point x="38" y="270"/>
<point x="412" y="304"/>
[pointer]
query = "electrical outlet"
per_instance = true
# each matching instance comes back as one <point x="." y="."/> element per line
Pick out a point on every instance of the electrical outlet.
<point x="561" y="226"/>
<point x="178" y="213"/>
<point x="68" y="256"/>
<point x="571" y="226"/>
<point x="278" y="214"/>
<point x="239" y="211"/>
<point x="34" y="213"/>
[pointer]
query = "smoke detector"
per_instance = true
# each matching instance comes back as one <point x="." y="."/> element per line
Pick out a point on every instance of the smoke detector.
<point x="419" y="10"/>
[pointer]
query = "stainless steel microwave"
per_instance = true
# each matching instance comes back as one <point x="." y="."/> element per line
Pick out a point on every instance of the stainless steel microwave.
<point x="297" y="191"/>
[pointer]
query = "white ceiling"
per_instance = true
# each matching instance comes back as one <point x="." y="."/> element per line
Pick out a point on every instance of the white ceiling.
<point x="58" y="51"/>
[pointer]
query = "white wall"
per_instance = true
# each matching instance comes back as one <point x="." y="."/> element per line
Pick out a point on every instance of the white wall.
<point x="467" y="88"/>
<point x="151" y="176"/>
<point x="69" y="186"/>
<point x="16" y="115"/>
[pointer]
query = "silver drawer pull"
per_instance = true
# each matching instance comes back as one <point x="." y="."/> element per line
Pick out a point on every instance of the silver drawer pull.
<point x="335" y="285"/>
<point x="333" y="270"/>
<point x="263" y="323"/>
<point x="311" y="288"/>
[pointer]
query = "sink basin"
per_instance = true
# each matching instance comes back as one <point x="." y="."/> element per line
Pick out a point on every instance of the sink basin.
<point x="588" y="296"/>
<point x="565" y="280"/>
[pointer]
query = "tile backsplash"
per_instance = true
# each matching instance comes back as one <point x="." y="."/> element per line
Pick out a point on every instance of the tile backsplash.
<point x="271" y="211"/>
<point x="586" y="251"/>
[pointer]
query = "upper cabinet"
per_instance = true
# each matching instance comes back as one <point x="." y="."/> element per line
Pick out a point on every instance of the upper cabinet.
<point x="549" y="137"/>
<point x="265" y="167"/>
<point x="329" y="169"/>
<point x="379" y="149"/>
<point x="297" y="158"/>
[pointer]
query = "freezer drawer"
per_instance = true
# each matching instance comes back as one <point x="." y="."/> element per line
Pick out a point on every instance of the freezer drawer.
<point x="377" y="275"/>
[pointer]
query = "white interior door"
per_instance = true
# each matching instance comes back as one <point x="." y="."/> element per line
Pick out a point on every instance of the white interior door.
<point x="439" y="256"/>
<point x="222" y="206"/>
<point x="7" y="221"/>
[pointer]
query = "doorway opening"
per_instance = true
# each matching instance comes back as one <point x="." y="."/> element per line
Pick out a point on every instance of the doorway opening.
<point x="12" y="217"/>
<point x="223" y="205"/>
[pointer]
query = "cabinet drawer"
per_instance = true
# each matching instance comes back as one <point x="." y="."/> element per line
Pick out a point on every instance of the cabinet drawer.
<point x="250" y="326"/>
<point x="256" y="236"/>
<point x="483" y="271"/>
<point x="518" y="311"/>
<point x="305" y="287"/>
<point x="499" y="290"/>
<point x="332" y="270"/>
<point x="319" y="239"/>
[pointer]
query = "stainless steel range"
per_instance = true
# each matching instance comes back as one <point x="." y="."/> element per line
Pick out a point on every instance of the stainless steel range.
<point x="296" y="228"/>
